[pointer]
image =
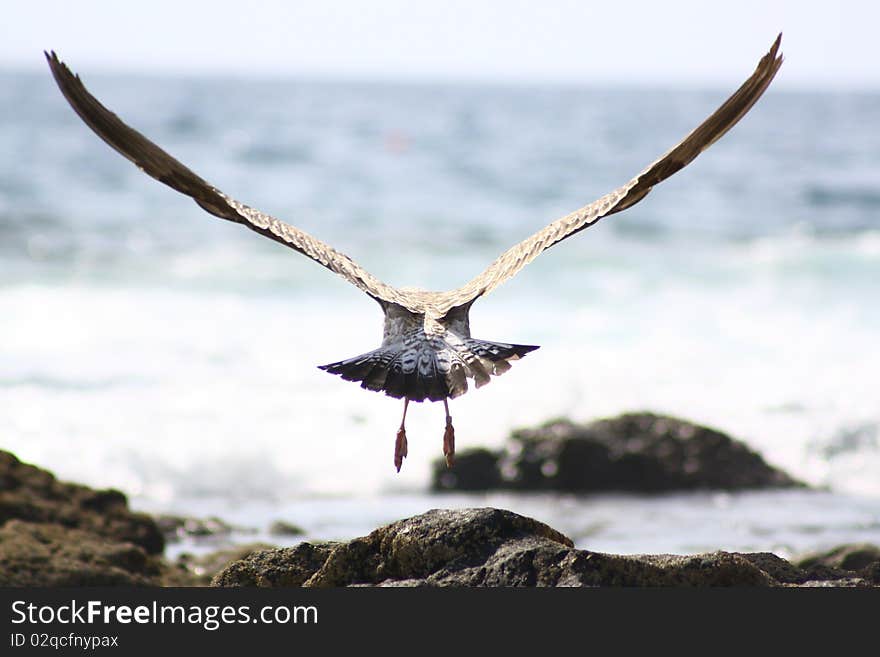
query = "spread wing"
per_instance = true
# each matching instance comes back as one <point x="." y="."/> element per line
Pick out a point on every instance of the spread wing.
<point x="712" y="129"/>
<point x="155" y="162"/>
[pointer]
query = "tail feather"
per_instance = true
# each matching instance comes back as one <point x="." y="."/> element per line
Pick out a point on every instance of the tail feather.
<point x="359" y="370"/>
<point x="424" y="372"/>
<point x="375" y="379"/>
<point x="495" y="351"/>
<point x="438" y="388"/>
<point x="499" y="367"/>
<point x="478" y="372"/>
<point x="457" y="382"/>
<point x="415" y="385"/>
<point x="395" y="382"/>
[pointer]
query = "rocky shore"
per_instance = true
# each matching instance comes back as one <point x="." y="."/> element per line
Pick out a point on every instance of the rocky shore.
<point x="54" y="533"/>
<point x="493" y="547"/>
<point x="60" y="534"/>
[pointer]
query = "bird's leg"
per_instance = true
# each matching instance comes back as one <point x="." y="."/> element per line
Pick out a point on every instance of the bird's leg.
<point x="400" y="446"/>
<point x="449" y="438"/>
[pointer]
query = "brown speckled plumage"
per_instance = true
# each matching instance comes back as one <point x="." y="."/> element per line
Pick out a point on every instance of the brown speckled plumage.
<point x="427" y="351"/>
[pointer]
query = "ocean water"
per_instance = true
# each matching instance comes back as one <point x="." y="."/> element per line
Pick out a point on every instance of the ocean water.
<point x="148" y="346"/>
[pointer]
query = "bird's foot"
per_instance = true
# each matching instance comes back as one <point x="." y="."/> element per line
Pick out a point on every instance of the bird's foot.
<point x="449" y="443"/>
<point x="400" y="448"/>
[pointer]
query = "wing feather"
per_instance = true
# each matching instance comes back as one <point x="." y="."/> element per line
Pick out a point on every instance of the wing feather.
<point x="706" y="134"/>
<point x="155" y="162"/>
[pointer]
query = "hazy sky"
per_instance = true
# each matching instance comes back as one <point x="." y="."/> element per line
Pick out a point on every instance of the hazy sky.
<point x="833" y="42"/>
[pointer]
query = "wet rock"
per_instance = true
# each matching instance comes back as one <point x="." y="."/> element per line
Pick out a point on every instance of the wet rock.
<point x="60" y="534"/>
<point x="34" y="495"/>
<point x="638" y="452"/>
<point x="493" y="547"/>
<point x="203" y="567"/>
<point x="474" y="470"/>
<point x="277" y="567"/>
<point x="176" y="528"/>
<point x="284" y="528"/>
<point x="860" y="558"/>
<point x="50" y="554"/>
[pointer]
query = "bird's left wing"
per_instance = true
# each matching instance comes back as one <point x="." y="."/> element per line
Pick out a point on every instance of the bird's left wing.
<point x="155" y="162"/>
<point x="713" y="128"/>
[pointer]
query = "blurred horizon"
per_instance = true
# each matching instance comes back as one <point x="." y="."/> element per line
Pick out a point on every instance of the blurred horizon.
<point x="681" y="43"/>
<point x="94" y="78"/>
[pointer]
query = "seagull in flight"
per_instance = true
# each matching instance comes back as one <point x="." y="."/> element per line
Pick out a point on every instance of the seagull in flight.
<point x="427" y="352"/>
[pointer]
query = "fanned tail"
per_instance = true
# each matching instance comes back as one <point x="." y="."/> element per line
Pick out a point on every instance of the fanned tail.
<point x="425" y="372"/>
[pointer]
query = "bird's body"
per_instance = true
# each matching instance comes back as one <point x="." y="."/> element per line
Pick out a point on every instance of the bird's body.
<point x="427" y="351"/>
<point x="428" y="355"/>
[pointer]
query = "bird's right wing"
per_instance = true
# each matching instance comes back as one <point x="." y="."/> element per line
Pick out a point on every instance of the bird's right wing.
<point x="713" y="128"/>
<point x="155" y="162"/>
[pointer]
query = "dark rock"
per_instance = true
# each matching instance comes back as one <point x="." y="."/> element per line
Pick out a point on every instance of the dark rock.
<point x="59" y="534"/>
<point x="284" y="528"/>
<point x="475" y="469"/>
<point x="492" y="547"/>
<point x="204" y="567"/>
<point x="433" y="542"/>
<point x="176" y="528"/>
<point x="277" y="567"/>
<point x="35" y="496"/>
<point x="783" y="571"/>
<point x="638" y="452"/>
<point x="50" y="554"/>
<point x="862" y="558"/>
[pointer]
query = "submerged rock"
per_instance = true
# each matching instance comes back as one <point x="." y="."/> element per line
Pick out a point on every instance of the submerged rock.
<point x="284" y="528"/>
<point x="862" y="559"/>
<point x="639" y="452"/>
<point x="176" y="528"/>
<point x="204" y="567"/>
<point x="493" y="547"/>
